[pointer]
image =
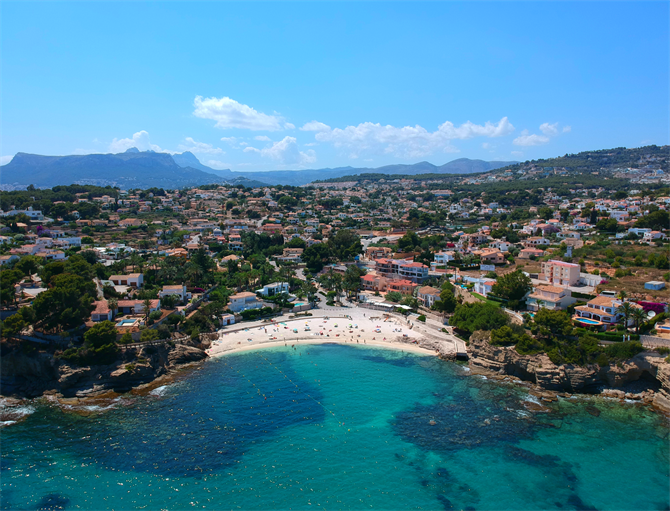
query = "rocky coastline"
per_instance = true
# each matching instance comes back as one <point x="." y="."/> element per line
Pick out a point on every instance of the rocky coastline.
<point x="644" y="378"/>
<point x="25" y="376"/>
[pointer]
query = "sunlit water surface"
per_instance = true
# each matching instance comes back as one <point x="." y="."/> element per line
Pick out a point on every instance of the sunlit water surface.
<point x="336" y="427"/>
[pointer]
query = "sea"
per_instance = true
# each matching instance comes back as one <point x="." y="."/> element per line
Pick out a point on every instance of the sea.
<point x="336" y="427"/>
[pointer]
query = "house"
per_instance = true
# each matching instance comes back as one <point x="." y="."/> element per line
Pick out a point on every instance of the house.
<point x="378" y="252"/>
<point x="428" y="295"/>
<point x="652" y="236"/>
<point x="102" y="312"/>
<point x="483" y="287"/>
<point x="235" y="242"/>
<point x="490" y="255"/>
<point x="403" y="286"/>
<point x="6" y="259"/>
<point x="534" y="241"/>
<point x="372" y="282"/>
<point x="227" y="319"/>
<point x="137" y="306"/>
<point x="243" y="301"/>
<point x="560" y="273"/>
<point x="550" y="297"/>
<point x="530" y="253"/>
<point x="135" y="280"/>
<point x="602" y="310"/>
<point x="442" y="258"/>
<point x="179" y="291"/>
<point x="503" y="246"/>
<point x="273" y="289"/>
<point x="290" y="255"/>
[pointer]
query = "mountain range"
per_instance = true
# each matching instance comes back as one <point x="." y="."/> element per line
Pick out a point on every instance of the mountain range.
<point x="146" y="169"/>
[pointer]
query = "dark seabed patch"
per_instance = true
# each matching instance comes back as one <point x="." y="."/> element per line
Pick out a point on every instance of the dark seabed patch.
<point x="53" y="501"/>
<point x="192" y="435"/>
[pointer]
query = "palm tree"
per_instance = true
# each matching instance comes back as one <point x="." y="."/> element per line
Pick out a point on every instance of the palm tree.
<point x="622" y="295"/>
<point x="113" y="305"/>
<point x="626" y="310"/>
<point x="639" y="317"/>
<point x="540" y="304"/>
<point x="147" y="308"/>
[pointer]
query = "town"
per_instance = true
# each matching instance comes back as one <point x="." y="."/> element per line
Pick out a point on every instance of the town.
<point x="88" y="272"/>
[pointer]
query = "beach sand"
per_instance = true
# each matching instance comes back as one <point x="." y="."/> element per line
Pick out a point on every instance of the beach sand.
<point x="365" y="328"/>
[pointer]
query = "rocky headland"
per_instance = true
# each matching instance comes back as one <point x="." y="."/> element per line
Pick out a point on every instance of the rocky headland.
<point x="645" y="377"/>
<point x="36" y="374"/>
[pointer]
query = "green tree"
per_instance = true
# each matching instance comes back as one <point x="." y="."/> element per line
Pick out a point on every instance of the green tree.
<point x="100" y="335"/>
<point x="393" y="296"/>
<point x="471" y="317"/>
<point x="447" y="302"/>
<point x="513" y="286"/>
<point x="9" y="279"/>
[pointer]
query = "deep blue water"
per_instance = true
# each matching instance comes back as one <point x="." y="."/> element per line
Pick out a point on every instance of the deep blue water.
<point x="336" y="427"/>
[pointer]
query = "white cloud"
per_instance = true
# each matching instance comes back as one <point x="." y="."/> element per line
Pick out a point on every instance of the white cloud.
<point x="228" y="113"/>
<point x="140" y="140"/>
<point x="251" y="150"/>
<point x="567" y="129"/>
<point x="517" y="153"/>
<point x="263" y="138"/>
<point x="486" y="145"/>
<point x="311" y="144"/>
<point x="4" y="160"/>
<point x="218" y="165"/>
<point x="410" y="141"/>
<point x="551" y="130"/>
<point x="526" y="139"/>
<point x="315" y="126"/>
<point x="289" y="126"/>
<point x="286" y="151"/>
<point x="230" y="140"/>
<point x="199" y="147"/>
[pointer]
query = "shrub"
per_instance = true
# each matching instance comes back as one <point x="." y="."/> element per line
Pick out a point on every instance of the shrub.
<point x="624" y="350"/>
<point x="422" y="318"/>
<point x="155" y="315"/>
<point x="126" y="338"/>
<point x="148" y="334"/>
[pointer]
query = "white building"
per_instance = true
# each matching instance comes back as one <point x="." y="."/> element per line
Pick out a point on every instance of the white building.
<point x="273" y="289"/>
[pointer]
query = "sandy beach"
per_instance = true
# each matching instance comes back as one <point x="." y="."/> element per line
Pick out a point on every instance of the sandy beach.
<point x="361" y="327"/>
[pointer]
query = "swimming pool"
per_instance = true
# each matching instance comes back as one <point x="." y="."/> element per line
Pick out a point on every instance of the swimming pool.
<point x="126" y="322"/>
<point x="299" y="304"/>
<point x="589" y="321"/>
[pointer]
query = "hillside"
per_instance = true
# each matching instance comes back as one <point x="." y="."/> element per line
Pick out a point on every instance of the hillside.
<point x="135" y="169"/>
<point x="132" y="169"/>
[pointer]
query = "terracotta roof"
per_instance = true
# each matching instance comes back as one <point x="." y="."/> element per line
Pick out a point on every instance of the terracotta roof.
<point x="101" y="307"/>
<point x="550" y="289"/>
<point x="429" y="290"/>
<point x="245" y="294"/>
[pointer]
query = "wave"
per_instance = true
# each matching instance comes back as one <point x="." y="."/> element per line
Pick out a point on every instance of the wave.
<point x="160" y="391"/>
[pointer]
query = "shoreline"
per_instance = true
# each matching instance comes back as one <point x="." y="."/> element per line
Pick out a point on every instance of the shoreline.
<point x="396" y="346"/>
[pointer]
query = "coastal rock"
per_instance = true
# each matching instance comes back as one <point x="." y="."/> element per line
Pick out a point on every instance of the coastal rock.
<point x="43" y="374"/>
<point x="540" y="370"/>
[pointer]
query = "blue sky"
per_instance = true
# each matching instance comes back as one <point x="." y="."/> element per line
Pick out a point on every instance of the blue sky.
<point x="262" y="86"/>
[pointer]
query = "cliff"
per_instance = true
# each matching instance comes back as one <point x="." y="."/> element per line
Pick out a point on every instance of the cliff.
<point x="33" y="375"/>
<point x="645" y="376"/>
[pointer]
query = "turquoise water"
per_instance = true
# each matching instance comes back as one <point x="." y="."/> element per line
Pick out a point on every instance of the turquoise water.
<point x="336" y="427"/>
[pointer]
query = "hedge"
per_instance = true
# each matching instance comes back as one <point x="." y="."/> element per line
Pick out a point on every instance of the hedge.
<point x="609" y="336"/>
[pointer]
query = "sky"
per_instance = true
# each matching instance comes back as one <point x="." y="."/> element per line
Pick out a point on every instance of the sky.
<point x="265" y="86"/>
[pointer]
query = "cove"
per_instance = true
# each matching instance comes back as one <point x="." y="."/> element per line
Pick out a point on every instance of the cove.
<point x="337" y="427"/>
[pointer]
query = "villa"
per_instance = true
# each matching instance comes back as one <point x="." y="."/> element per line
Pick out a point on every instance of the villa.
<point x="601" y="310"/>
<point x="243" y="301"/>
<point x="273" y="289"/>
<point x="550" y="297"/>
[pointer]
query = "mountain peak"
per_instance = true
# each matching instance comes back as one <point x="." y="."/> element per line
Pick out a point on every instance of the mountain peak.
<point x="132" y="150"/>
